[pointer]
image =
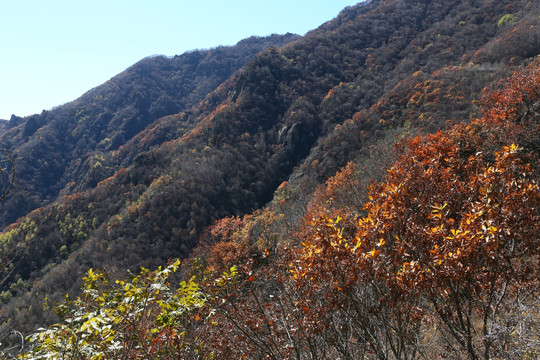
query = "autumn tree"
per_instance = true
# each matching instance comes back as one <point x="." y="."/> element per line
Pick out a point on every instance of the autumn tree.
<point x="457" y="231"/>
<point x="511" y="112"/>
<point x="447" y="238"/>
<point x="450" y="240"/>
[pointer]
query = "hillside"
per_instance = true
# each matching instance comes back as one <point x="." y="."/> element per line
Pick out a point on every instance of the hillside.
<point x="135" y="171"/>
<point x="60" y="147"/>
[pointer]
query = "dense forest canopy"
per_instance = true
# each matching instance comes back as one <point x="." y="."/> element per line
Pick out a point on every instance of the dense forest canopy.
<point x="62" y="146"/>
<point x="252" y="164"/>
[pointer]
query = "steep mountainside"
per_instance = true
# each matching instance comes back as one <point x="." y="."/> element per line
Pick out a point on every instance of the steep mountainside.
<point x="135" y="171"/>
<point x="60" y="147"/>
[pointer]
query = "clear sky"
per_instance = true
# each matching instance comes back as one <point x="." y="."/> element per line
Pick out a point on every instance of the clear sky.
<point x="52" y="51"/>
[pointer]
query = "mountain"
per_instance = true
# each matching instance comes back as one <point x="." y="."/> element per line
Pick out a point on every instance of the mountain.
<point x="135" y="171"/>
<point x="57" y="147"/>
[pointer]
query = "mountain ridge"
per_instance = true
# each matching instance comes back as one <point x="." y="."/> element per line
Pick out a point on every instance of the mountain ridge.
<point x="117" y="107"/>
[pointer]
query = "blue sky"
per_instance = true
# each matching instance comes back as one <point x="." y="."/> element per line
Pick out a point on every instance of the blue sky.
<point x="52" y="51"/>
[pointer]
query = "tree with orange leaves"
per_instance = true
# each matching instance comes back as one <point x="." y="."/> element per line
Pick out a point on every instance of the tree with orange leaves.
<point x="451" y="237"/>
<point x="459" y="232"/>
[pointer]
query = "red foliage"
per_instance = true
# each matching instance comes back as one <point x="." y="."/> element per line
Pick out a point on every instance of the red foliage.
<point x="514" y="100"/>
<point x="455" y="224"/>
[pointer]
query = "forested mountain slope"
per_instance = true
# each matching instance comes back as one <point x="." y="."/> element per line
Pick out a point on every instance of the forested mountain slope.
<point x="58" y="149"/>
<point x="130" y="186"/>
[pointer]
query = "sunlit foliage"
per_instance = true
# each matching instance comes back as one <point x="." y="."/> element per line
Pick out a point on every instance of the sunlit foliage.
<point x="139" y="318"/>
